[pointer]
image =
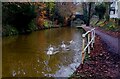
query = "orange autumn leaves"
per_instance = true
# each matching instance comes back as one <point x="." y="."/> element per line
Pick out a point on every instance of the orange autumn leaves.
<point x="41" y="18"/>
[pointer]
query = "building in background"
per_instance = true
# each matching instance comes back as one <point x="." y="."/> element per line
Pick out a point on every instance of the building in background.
<point x="119" y="9"/>
<point x="114" y="10"/>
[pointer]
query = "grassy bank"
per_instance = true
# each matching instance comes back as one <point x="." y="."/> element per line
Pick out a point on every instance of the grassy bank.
<point x="110" y="25"/>
<point x="24" y="18"/>
<point x="9" y="30"/>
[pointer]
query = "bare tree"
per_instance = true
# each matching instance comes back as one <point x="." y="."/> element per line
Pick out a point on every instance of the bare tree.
<point x="87" y="7"/>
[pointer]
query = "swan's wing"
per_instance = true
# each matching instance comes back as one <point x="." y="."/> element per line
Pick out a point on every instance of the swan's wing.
<point x="55" y="52"/>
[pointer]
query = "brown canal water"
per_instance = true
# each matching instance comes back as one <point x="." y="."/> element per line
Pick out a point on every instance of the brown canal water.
<point x="26" y="55"/>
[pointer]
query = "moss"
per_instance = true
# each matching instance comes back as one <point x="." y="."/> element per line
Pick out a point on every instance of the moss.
<point x="99" y="23"/>
<point x="107" y="25"/>
<point x="46" y="24"/>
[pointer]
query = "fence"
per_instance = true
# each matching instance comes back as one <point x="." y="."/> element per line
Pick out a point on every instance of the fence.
<point x="91" y="34"/>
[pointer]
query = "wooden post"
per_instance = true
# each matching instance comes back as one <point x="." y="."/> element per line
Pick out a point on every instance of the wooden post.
<point x="88" y="42"/>
<point x="83" y="54"/>
<point x="92" y="37"/>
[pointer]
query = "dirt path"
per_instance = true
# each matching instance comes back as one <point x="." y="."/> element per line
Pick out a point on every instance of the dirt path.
<point x="111" y="42"/>
<point x="102" y="64"/>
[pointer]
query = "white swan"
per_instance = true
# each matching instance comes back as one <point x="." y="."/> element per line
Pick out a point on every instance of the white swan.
<point x="14" y="73"/>
<point x="51" y="50"/>
<point x="63" y="45"/>
<point x="71" y="42"/>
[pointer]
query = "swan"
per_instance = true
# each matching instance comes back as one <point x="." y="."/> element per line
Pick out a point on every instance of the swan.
<point x="71" y="42"/>
<point x="63" y="45"/>
<point x="51" y="50"/>
<point x="14" y="73"/>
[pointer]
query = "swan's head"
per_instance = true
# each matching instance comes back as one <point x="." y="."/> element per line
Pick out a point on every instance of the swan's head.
<point x="50" y="48"/>
<point x="50" y="45"/>
<point x="63" y="42"/>
<point x="63" y="45"/>
<point x="72" y="41"/>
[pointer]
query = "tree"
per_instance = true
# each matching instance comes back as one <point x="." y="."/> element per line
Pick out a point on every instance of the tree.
<point x="89" y="14"/>
<point x="100" y="10"/>
<point x="50" y="9"/>
<point x="88" y="11"/>
<point x="118" y="12"/>
<point x="107" y="13"/>
<point x="85" y="13"/>
<point x="18" y="15"/>
<point x="65" y="10"/>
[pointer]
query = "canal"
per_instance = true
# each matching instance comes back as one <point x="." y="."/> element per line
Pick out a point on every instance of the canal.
<point x="28" y="55"/>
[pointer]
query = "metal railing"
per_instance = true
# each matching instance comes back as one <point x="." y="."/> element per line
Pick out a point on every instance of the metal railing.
<point x="90" y="41"/>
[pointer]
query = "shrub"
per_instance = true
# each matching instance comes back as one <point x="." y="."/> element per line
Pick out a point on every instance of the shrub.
<point x="9" y="30"/>
<point x="19" y="15"/>
<point x="32" y="26"/>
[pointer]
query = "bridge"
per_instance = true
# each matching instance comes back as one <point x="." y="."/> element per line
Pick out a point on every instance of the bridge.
<point x="77" y="20"/>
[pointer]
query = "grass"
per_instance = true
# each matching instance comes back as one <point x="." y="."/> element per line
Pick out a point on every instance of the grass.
<point x="106" y="25"/>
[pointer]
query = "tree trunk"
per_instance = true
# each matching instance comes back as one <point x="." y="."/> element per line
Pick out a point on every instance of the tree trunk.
<point x="89" y="14"/>
<point x="119" y="22"/>
<point x="107" y="15"/>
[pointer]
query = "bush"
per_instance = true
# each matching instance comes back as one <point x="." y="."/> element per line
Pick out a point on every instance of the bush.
<point x="46" y="24"/>
<point x="18" y="15"/>
<point x="32" y="26"/>
<point x="9" y="30"/>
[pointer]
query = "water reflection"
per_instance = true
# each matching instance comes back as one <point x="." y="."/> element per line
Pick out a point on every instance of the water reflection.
<point x="27" y="55"/>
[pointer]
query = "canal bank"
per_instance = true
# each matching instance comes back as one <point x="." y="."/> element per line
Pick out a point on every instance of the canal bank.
<point x="102" y="63"/>
<point x="8" y="30"/>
